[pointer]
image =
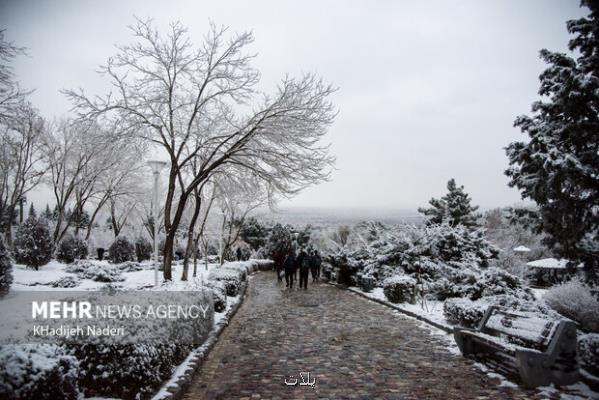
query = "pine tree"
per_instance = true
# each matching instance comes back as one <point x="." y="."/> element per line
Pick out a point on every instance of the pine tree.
<point x="33" y="244"/>
<point x="71" y="248"/>
<point x="5" y="270"/>
<point x="253" y="233"/>
<point x="453" y="209"/>
<point x="47" y="214"/>
<point x="280" y="243"/>
<point x="558" y="167"/>
<point x="32" y="212"/>
<point x="143" y="249"/>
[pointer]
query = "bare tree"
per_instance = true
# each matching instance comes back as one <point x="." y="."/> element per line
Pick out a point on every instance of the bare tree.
<point x="21" y="166"/>
<point x="238" y="194"/>
<point x="81" y="156"/>
<point x="169" y="93"/>
<point x="12" y="97"/>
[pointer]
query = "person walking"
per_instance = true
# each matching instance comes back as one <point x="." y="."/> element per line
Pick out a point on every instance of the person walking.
<point x="317" y="263"/>
<point x="313" y="265"/>
<point x="298" y="262"/>
<point x="239" y="255"/>
<point x="304" y="269"/>
<point x="289" y="265"/>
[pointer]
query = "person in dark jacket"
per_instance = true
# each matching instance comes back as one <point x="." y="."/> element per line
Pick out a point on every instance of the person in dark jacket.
<point x="317" y="262"/>
<point x="239" y="254"/>
<point x="298" y="261"/>
<point x="304" y="268"/>
<point x="313" y="265"/>
<point x="289" y="265"/>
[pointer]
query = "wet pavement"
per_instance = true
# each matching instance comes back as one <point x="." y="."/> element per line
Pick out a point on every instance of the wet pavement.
<point x="353" y="349"/>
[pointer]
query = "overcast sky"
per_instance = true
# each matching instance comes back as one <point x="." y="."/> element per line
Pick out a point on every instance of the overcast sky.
<point x="428" y="90"/>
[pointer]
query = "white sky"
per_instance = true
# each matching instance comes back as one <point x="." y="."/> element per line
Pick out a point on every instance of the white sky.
<point x="428" y="90"/>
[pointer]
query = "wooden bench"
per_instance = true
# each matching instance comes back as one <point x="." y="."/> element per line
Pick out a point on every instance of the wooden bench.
<point x="523" y="345"/>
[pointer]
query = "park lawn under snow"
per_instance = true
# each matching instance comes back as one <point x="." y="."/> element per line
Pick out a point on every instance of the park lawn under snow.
<point x="28" y="279"/>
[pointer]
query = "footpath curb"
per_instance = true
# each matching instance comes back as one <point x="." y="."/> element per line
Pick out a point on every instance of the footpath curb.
<point x="397" y="308"/>
<point x="176" y="391"/>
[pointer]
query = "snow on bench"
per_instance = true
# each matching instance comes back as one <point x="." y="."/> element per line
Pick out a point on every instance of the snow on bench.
<point x="537" y="350"/>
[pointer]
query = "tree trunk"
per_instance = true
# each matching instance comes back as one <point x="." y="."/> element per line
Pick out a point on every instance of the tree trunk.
<point x="189" y="248"/>
<point x="171" y="232"/>
<point x="195" y="256"/>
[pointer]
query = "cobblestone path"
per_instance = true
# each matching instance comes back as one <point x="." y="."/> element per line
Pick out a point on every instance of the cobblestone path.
<point x="352" y="347"/>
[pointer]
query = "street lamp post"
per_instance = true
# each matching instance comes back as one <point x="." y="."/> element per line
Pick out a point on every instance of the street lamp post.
<point x="156" y="166"/>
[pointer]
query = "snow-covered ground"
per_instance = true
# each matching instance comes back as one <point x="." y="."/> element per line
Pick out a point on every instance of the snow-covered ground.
<point x="431" y="310"/>
<point x="27" y="279"/>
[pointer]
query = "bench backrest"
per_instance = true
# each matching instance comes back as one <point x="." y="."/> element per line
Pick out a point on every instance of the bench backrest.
<point x="522" y="329"/>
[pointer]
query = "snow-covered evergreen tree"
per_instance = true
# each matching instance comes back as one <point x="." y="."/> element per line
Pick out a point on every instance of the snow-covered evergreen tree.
<point x="71" y="248"/>
<point x="47" y="214"/>
<point x="453" y="209"/>
<point x="143" y="249"/>
<point x="32" y="212"/>
<point x="33" y="244"/>
<point x="558" y="167"/>
<point x="280" y="243"/>
<point x="253" y="233"/>
<point x="121" y="250"/>
<point x="5" y="270"/>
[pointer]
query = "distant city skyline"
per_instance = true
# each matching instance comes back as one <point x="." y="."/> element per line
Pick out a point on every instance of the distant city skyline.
<point x="428" y="91"/>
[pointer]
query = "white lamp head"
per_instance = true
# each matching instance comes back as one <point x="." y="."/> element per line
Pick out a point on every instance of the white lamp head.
<point x="156" y="165"/>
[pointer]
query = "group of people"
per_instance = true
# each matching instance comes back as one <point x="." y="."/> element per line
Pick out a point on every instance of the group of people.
<point x="305" y="262"/>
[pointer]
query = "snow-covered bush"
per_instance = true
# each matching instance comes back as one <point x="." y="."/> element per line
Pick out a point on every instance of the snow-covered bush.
<point x="232" y="277"/>
<point x="121" y="250"/>
<point x="574" y="300"/>
<point x="219" y="294"/>
<point x="102" y="273"/>
<point x="143" y="249"/>
<point x="129" y="266"/>
<point x="495" y="281"/>
<point x="243" y="267"/>
<point x="37" y="371"/>
<point x="71" y="248"/>
<point x="365" y="282"/>
<point x="464" y="312"/>
<point x="66" y="282"/>
<point x="136" y="368"/>
<point x="588" y="352"/>
<point x="33" y="244"/>
<point x="132" y="371"/>
<point x="98" y="273"/>
<point x="400" y="289"/>
<point x="5" y="270"/>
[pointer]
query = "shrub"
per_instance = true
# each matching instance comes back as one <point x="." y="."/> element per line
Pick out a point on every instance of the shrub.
<point x="66" y="282"/>
<point x="95" y="272"/>
<point x="366" y="282"/>
<point x="131" y="371"/>
<point x="5" y="270"/>
<point x="495" y="281"/>
<point x="400" y="289"/>
<point x="33" y="245"/>
<point x="102" y="273"/>
<point x="37" y="371"/>
<point x="464" y="312"/>
<point x="143" y="249"/>
<point x="71" y="248"/>
<point x="588" y="352"/>
<point x="121" y="250"/>
<point x="232" y="278"/>
<point x="129" y="266"/>
<point x="574" y="300"/>
<point x="219" y="295"/>
<point x="136" y="369"/>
